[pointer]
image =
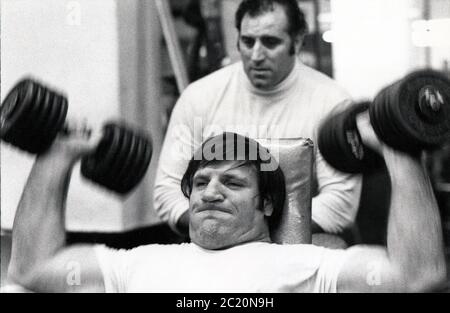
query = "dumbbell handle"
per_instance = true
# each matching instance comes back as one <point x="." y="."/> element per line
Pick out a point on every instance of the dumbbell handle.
<point x="68" y="128"/>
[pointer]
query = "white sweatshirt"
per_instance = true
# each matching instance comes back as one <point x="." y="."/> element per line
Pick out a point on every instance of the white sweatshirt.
<point x="252" y="267"/>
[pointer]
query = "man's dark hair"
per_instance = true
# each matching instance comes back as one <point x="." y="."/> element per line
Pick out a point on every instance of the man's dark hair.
<point x="296" y="18"/>
<point x="248" y="152"/>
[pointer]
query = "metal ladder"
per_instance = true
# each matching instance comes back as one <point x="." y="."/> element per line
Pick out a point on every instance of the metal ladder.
<point x="215" y="42"/>
<point x="173" y="44"/>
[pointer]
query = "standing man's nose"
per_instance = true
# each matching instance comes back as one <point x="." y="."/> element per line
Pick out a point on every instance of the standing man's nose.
<point x="258" y="52"/>
<point x="212" y="193"/>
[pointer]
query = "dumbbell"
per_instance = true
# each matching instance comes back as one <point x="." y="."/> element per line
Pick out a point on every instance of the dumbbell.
<point x="410" y="115"/>
<point x="340" y="142"/>
<point x="32" y="115"/>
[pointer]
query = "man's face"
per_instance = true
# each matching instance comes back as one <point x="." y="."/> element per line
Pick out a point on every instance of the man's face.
<point x="224" y="206"/>
<point x="266" y="48"/>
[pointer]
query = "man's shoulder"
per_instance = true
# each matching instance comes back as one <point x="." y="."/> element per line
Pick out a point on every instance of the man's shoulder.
<point x="216" y="79"/>
<point x="316" y="78"/>
<point x="200" y="94"/>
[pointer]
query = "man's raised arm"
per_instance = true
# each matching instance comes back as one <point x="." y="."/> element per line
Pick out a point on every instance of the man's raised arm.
<point x="414" y="258"/>
<point x="39" y="259"/>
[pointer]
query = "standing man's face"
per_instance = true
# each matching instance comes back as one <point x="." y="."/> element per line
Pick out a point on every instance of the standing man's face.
<point x="266" y="48"/>
<point x="225" y="206"/>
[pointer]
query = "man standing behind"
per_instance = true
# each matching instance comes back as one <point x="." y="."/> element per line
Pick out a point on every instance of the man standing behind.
<point x="271" y="95"/>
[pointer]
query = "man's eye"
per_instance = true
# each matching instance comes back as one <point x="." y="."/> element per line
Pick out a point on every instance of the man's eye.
<point x="270" y="42"/>
<point x="248" y="42"/>
<point x="233" y="184"/>
<point x="199" y="184"/>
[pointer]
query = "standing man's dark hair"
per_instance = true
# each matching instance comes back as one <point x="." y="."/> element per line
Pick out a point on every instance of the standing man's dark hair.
<point x="297" y="25"/>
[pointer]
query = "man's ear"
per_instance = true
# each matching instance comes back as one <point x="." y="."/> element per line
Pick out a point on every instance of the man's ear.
<point x="267" y="207"/>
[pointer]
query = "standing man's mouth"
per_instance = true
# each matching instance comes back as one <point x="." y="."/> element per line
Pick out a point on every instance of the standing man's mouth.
<point x="260" y="70"/>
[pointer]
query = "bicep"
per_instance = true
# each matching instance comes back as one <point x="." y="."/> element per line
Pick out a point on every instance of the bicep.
<point x="74" y="269"/>
<point x="368" y="269"/>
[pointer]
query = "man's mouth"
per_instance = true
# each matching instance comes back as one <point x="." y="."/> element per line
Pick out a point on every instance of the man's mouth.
<point x="261" y="70"/>
<point x="212" y="208"/>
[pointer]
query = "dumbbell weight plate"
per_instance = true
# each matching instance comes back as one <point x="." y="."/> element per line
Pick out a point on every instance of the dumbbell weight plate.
<point x="31" y="116"/>
<point x="386" y="124"/>
<point x="333" y="146"/>
<point x="136" y="163"/>
<point x="39" y="117"/>
<point x="131" y="157"/>
<point x="14" y="114"/>
<point x="124" y="156"/>
<point x="115" y="160"/>
<point x="57" y="117"/>
<point x="53" y="121"/>
<point x="413" y="113"/>
<point x="96" y="166"/>
<point x="340" y="143"/>
<point x="115" y="154"/>
<point x="142" y="161"/>
<point x="430" y="93"/>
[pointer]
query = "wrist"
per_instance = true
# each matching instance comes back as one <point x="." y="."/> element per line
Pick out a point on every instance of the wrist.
<point x="402" y="165"/>
<point x="54" y="166"/>
<point x="391" y="155"/>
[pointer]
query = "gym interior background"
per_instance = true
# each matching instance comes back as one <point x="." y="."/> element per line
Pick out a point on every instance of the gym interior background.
<point x="120" y="59"/>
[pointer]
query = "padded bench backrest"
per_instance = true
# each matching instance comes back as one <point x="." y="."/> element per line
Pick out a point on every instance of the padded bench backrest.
<point x="295" y="157"/>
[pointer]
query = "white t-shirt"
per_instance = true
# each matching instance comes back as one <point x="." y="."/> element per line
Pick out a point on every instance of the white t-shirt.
<point x="252" y="267"/>
<point x="227" y="101"/>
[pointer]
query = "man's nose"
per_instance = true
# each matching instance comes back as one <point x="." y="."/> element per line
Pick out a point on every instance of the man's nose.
<point x="257" y="52"/>
<point x="212" y="193"/>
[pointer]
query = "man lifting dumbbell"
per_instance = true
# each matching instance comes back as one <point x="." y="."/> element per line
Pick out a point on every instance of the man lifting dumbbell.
<point x="33" y="115"/>
<point x="410" y="115"/>
<point x="231" y="249"/>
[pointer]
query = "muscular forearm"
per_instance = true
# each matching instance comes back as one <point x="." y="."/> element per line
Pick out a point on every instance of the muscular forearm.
<point x="415" y="244"/>
<point x="39" y="228"/>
